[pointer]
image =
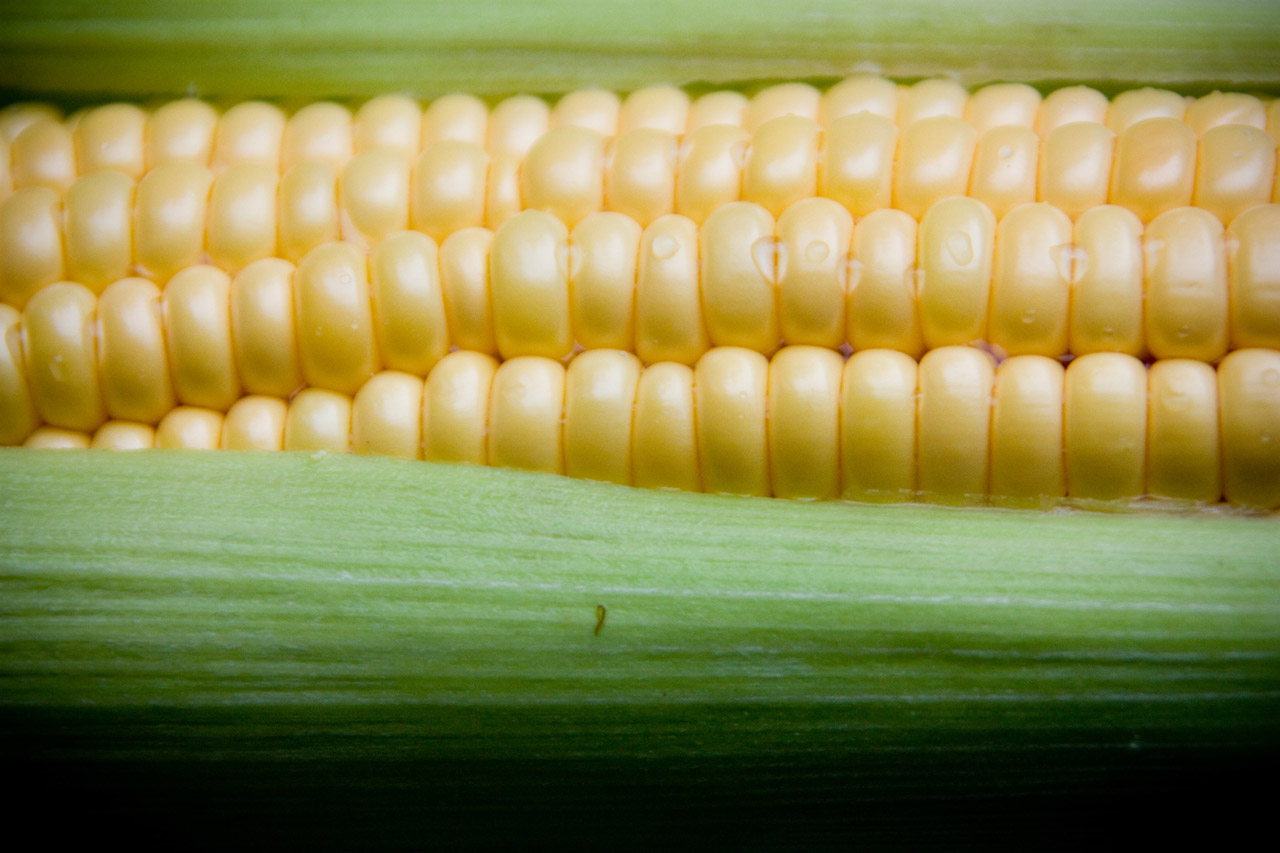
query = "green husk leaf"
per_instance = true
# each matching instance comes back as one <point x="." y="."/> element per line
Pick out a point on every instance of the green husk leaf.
<point x="281" y="48"/>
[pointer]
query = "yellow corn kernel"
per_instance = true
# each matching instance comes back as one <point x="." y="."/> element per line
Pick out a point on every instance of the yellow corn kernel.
<point x="393" y="122"/>
<point x="1249" y="399"/>
<point x="250" y="132"/>
<point x="190" y="428"/>
<point x="515" y="124"/>
<point x="43" y="155"/>
<point x="1138" y="105"/>
<point x="882" y="284"/>
<point x="600" y="395"/>
<point x="242" y="216"/>
<point x="709" y="171"/>
<point x="169" y="219"/>
<point x="1223" y="108"/>
<point x="953" y="424"/>
<point x="663" y="108"/>
<point x="814" y="237"/>
<point x="181" y="132"/>
<point x="334" y="317"/>
<point x="464" y="281"/>
<point x="664" y="435"/>
<point x="197" y="325"/>
<point x="935" y="159"/>
<point x="1106" y="427"/>
<point x="448" y="188"/>
<point x="458" y="117"/>
<point x="386" y="417"/>
<point x="502" y="191"/>
<point x="15" y="118"/>
<point x="1069" y="105"/>
<point x="60" y="354"/>
<point x="132" y="358"/>
<point x="308" y="209"/>
<point x="1031" y="289"/>
<point x="455" y="408"/>
<point x="563" y="173"/>
<point x="317" y="132"/>
<point x="1026" y="432"/>
<point x="408" y="303"/>
<point x="1235" y="169"/>
<point x="738" y="272"/>
<point x="1004" y="168"/>
<point x="1002" y="105"/>
<point x="859" y="93"/>
<point x="53" y="438"/>
<point x="255" y="423"/>
<point x="1187" y="303"/>
<point x="931" y="99"/>
<point x="723" y="107"/>
<point x="730" y="387"/>
<point x="804" y="422"/>
<point x="590" y="109"/>
<point x="1075" y="167"/>
<point x="782" y="163"/>
<point x="878" y="426"/>
<point x="602" y="288"/>
<point x="640" y="180"/>
<point x="1107" y="283"/>
<point x="525" y="415"/>
<point x="784" y="99"/>
<point x="374" y="193"/>
<point x="318" y="420"/>
<point x="30" y="243"/>
<point x="669" y="320"/>
<point x="856" y="163"/>
<point x="264" y="337"/>
<point x="124" y="435"/>
<point x="112" y="137"/>
<point x="1183" y="457"/>
<point x="1154" y="168"/>
<point x="99" y="229"/>
<point x="530" y="280"/>
<point x="1253" y="257"/>
<point x="18" y="418"/>
<point x="6" y="178"/>
<point x="957" y="238"/>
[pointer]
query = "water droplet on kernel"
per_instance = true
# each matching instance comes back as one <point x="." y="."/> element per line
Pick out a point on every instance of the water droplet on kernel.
<point x="765" y="254"/>
<point x="1184" y="330"/>
<point x="57" y="369"/>
<point x="853" y="274"/>
<point x="740" y="151"/>
<point x="816" y="252"/>
<point x="1029" y="316"/>
<point x="959" y="247"/>
<point x="1005" y="152"/>
<point x="1064" y="258"/>
<point x="664" y="246"/>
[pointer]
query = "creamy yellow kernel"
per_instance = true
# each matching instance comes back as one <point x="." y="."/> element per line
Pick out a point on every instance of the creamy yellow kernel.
<point x="600" y="395"/>
<point x="1031" y="286"/>
<point x="515" y="124"/>
<point x="1154" y="168"/>
<point x="592" y="109"/>
<point x="455" y="408"/>
<point x="197" y="321"/>
<point x="640" y="180"/>
<point x="333" y="312"/>
<point x="15" y="118"/>
<point x="1005" y="168"/>
<point x="783" y="99"/>
<point x="132" y="358"/>
<point x="953" y="419"/>
<point x="464" y="281"/>
<point x="709" y="170"/>
<point x="30" y="243"/>
<point x="882" y="307"/>
<point x="528" y="265"/>
<point x="124" y="435"/>
<point x="1187" y="303"/>
<point x="181" y="131"/>
<point x="242" y="216"/>
<point x="930" y="99"/>
<point x="1136" y="105"/>
<point x="1075" y="167"/>
<point x="1070" y="105"/>
<point x="190" y="428"/>
<point x="664" y="442"/>
<point x="1253" y="259"/>
<point x="1183" y="456"/>
<point x="804" y="422"/>
<point x="99" y="229"/>
<point x="408" y="303"/>
<point x="878" y="426"/>
<point x="954" y="259"/>
<point x="388" y="121"/>
<point x="169" y="216"/>
<point x="308" y="209"/>
<point x="457" y="117"/>
<point x="54" y="438"/>
<point x="320" y="131"/>
<point x="60" y="353"/>
<point x="856" y="163"/>
<point x="720" y="107"/>
<point x="563" y="173"/>
<point x="374" y="194"/>
<point x="602" y="289"/>
<point x="669" y="319"/>
<point x="255" y="423"/>
<point x="112" y="137"/>
<point x="1107" y="283"/>
<point x="266" y="350"/>
<point x="1106" y="427"/>
<point x="1223" y="108"/>
<point x="525" y="415"/>
<point x="730" y="403"/>
<point x="448" y="191"/>
<point x="1249" y="397"/>
<point x="43" y="155"/>
<point x="782" y="163"/>
<point x="664" y="108"/>
<point x="861" y="93"/>
<point x="739" y="274"/>
<point x="18" y="416"/>
<point x="318" y="420"/>
<point x="502" y="192"/>
<point x="1002" y="105"/>
<point x="1235" y="169"/>
<point x="249" y="132"/>
<point x="386" y="417"/>
<point x="813" y="241"/>
<point x="934" y="161"/>
<point x="1026" y="432"/>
